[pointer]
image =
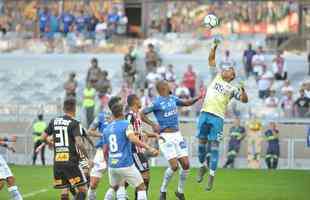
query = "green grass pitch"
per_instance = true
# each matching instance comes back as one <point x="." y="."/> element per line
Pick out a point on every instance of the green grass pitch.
<point x="35" y="184"/>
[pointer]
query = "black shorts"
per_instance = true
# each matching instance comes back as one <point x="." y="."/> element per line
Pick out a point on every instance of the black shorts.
<point x="141" y="162"/>
<point x="68" y="175"/>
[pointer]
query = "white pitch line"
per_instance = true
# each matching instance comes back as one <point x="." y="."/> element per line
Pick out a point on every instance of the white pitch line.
<point x="34" y="193"/>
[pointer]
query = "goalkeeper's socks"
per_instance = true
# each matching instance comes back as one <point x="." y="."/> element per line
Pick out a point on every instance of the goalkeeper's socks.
<point x="81" y="196"/>
<point x="91" y="194"/>
<point x="15" y="194"/>
<point x="109" y="195"/>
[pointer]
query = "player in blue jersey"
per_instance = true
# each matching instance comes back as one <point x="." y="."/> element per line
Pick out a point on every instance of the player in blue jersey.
<point x="99" y="163"/>
<point x="118" y="138"/>
<point x="173" y="147"/>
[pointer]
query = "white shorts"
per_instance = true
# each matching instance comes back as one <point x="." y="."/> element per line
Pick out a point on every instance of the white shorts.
<point x="131" y="175"/>
<point x="5" y="171"/>
<point x="174" y="146"/>
<point x="100" y="164"/>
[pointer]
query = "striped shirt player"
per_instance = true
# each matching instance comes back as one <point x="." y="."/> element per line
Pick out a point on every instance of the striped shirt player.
<point x="139" y="156"/>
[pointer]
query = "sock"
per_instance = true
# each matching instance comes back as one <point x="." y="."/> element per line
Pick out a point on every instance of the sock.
<point x="275" y="164"/>
<point x="64" y="197"/>
<point x="121" y="194"/>
<point x="202" y="152"/>
<point x="15" y="195"/>
<point x="123" y="190"/>
<point x="109" y="195"/>
<point x="141" y="195"/>
<point x="167" y="177"/>
<point x="182" y="179"/>
<point x="268" y="162"/>
<point x="214" y="156"/>
<point x="91" y="194"/>
<point x="146" y="183"/>
<point x="80" y="196"/>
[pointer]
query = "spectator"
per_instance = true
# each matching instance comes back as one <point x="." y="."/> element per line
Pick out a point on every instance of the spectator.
<point x="89" y="94"/>
<point x="227" y="61"/>
<point x="54" y="22"/>
<point x="309" y="63"/>
<point x="258" y="62"/>
<point x="93" y="72"/>
<point x="70" y="86"/>
<point x="264" y="84"/>
<point x="101" y="30"/>
<point x="91" y="26"/>
<point x="103" y="85"/>
<point x="272" y="101"/>
<point x="247" y="60"/>
<point x="44" y="20"/>
<point x="301" y="105"/>
<point x="273" y="148"/>
<point x="279" y="67"/>
<point x="145" y="99"/>
<point x="152" y="77"/>
<point x="38" y="128"/>
<point x="113" y="19"/>
<point x="129" y="71"/>
<point x="80" y="21"/>
<point x="170" y="74"/>
<point x="151" y="57"/>
<point x="67" y="20"/>
<point x="183" y="93"/>
<point x="287" y="104"/>
<point x="306" y="87"/>
<point x="122" y="24"/>
<point x="287" y="87"/>
<point x="189" y="80"/>
<point x="131" y="54"/>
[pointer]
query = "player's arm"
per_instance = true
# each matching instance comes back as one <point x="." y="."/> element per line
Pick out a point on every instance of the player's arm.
<point x="211" y="59"/>
<point x="243" y="96"/>
<point x="147" y="120"/>
<point x="5" y="145"/>
<point x="78" y="137"/>
<point x="135" y="140"/>
<point x="151" y="135"/>
<point x="189" y="102"/>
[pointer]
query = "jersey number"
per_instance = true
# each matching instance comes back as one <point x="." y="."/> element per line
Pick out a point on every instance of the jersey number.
<point x="62" y="135"/>
<point x="113" y="147"/>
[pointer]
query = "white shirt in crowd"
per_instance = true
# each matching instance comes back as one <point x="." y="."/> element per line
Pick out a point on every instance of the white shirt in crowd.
<point x="101" y="27"/>
<point x="152" y="78"/>
<point x="265" y="82"/>
<point x="272" y="102"/>
<point x="258" y="61"/>
<point x="286" y="89"/>
<point x="279" y="67"/>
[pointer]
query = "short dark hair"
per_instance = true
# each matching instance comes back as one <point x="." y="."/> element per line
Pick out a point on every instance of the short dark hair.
<point x="113" y="101"/>
<point x="69" y="105"/>
<point x="117" y="110"/>
<point x="131" y="98"/>
<point x="40" y="116"/>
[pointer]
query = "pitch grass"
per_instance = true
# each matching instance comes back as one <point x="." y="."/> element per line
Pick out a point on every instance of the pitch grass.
<point x="229" y="185"/>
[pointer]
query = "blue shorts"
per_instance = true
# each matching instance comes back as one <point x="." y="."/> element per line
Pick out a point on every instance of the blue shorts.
<point x="210" y="127"/>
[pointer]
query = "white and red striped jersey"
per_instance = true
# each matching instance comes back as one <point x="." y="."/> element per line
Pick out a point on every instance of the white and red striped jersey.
<point x="136" y="122"/>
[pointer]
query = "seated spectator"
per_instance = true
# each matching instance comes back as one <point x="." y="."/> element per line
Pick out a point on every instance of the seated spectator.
<point x="258" y="62"/>
<point x="91" y="26"/>
<point x="113" y="19"/>
<point x="145" y="99"/>
<point x="183" y="93"/>
<point x="131" y="54"/>
<point x="103" y="85"/>
<point x="302" y="105"/>
<point x="306" y="87"/>
<point x="170" y="74"/>
<point x="80" y="21"/>
<point x="122" y="24"/>
<point x="44" y="19"/>
<point x="287" y="105"/>
<point x="151" y="57"/>
<point x="151" y="78"/>
<point x="67" y="20"/>
<point x="279" y="67"/>
<point x="189" y="80"/>
<point x="287" y="87"/>
<point x="227" y="61"/>
<point x="272" y="101"/>
<point x="161" y="70"/>
<point x="264" y="84"/>
<point x="93" y="72"/>
<point x="129" y="72"/>
<point x="70" y="86"/>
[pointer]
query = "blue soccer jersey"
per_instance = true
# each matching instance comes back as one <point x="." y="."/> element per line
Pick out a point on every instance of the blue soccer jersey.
<point x="165" y="111"/>
<point x="100" y="123"/>
<point x="120" y="149"/>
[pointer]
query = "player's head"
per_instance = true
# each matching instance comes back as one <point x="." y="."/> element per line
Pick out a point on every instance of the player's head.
<point x="69" y="106"/>
<point x="117" y="110"/>
<point x="134" y="102"/>
<point x="94" y="62"/>
<point x="163" y="88"/>
<point x="114" y="100"/>
<point x="272" y="124"/>
<point x="228" y="73"/>
<point x="40" y="117"/>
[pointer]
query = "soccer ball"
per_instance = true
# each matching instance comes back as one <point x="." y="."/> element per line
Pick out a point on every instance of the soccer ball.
<point x="211" y="21"/>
